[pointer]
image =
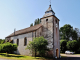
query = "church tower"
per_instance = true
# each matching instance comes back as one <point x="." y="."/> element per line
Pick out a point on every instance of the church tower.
<point x="51" y="32"/>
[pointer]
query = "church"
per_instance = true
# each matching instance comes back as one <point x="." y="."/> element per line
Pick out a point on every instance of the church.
<point x="48" y="28"/>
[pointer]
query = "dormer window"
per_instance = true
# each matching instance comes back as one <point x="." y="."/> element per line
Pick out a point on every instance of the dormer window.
<point x="46" y="20"/>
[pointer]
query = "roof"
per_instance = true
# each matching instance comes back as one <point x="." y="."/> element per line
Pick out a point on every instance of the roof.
<point x="49" y="12"/>
<point x="26" y="30"/>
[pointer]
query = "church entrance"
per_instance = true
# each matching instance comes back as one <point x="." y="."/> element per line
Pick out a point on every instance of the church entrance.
<point x="57" y="53"/>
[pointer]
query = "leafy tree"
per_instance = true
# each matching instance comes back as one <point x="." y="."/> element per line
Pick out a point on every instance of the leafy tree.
<point x="72" y="45"/>
<point x="38" y="45"/>
<point x="74" y="35"/>
<point x="2" y="41"/>
<point x="63" y="46"/>
<point x="31" y="25"/>
<point x="67" y="32"/>
<point x="37" y="21"/>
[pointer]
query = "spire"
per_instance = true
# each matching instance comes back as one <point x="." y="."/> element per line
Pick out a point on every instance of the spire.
<point x="50" y="2"/>
<point x="49" y="12"/>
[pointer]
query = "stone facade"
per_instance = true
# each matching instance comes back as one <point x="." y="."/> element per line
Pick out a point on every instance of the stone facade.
<point x="49" y="29"/>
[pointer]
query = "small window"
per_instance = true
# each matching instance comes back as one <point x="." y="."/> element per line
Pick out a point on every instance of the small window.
<point x="56" y="21"/>
<point x="17" y="41"/>
<point x="46" y="20"/>
<point x="25" y="41"/>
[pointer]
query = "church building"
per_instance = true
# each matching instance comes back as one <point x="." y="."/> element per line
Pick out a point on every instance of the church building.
<point x="48" y="28"/>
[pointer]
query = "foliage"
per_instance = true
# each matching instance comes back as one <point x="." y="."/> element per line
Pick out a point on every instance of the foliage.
<point x="39" y="44"/>
<point x="67" y="32"/>
<point x="2" y="41"/>
<point x="37" y="21"/>
<point x="8" y="47"/>
<point x="72" y="45"/>
<point x="63" y="47"/>
<point x="31" y="25"/>
<point x="74" y="35"/>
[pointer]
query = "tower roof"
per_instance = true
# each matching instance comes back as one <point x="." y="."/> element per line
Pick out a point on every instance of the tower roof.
<point x="49" y="12"/>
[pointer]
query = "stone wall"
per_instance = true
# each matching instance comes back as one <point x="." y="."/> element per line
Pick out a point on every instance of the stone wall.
<point x="48" y="31"/>
<point x="21" y="48"/>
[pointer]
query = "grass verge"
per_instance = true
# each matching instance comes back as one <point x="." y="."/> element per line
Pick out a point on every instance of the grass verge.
<point x="21" y="57"/>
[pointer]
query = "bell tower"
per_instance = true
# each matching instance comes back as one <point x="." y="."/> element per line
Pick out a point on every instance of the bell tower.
<point x="51" y="32"/>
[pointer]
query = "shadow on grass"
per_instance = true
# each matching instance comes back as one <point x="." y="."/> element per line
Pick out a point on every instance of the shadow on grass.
<point x="44" y="58"/>
<point x="8" y="55"/>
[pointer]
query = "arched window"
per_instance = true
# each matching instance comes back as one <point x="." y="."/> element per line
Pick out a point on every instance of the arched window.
<point x="25" y="41"/>
<point x="18" y="42"/>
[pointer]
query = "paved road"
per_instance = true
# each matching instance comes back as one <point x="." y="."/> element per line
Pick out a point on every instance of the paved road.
<point x="69" y="55"/>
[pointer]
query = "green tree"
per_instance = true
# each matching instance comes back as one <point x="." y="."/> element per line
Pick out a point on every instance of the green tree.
<point x="63" y="46"/>
<point x="72" y="45"/>
<point x="74" y="35"/>
<point x="38" y="45"/>
<point x="2" y="41"/>
<point x="67" y="32"/>
<point x="37" y="21"/>
<point x="31" y="25"/>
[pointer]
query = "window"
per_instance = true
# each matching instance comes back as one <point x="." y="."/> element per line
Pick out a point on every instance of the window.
<point x="46" y="20"/>
<point x="46" y="24"/>
<point x="17" y="41"/>
<point x="56" y="21"/>
<point x="25" y="41"/>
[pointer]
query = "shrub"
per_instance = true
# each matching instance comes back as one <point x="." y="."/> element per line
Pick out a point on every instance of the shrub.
<point x="8" y="47"/>
<point x="72" y="45"/>
<point x="39" y="44"/>
<point x="63" y="44"/>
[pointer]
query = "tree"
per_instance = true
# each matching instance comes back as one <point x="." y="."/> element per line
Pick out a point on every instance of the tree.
<point x="37" y="21"/>
<point x="67" y="32"/>
<point x="72" y="45"/>
<point x="74" y="35"/>
<point x="63" y="46"/>
<point x="31" y="25"/>
<point x="2" y="41"/>
<point x="38" y="45"/>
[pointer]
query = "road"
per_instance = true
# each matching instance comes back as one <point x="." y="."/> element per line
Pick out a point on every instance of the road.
<point x="69" y="55"/>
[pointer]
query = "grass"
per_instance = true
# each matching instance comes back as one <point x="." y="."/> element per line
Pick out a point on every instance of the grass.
<point x="21" y="57"/>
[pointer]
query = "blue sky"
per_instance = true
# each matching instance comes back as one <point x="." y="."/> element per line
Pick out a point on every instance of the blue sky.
<point x="20" y="14"/>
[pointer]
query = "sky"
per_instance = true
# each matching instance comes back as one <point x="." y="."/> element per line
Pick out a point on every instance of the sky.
<point x="19" y="14"/>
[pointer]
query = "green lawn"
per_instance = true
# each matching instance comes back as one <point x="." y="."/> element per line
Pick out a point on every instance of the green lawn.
<point x="21" y="57"/>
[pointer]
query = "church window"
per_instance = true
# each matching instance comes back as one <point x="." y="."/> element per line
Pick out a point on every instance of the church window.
<point x="56" y="21"/>
<point x="46" y="20"/>
<point x="25" y="41"/>
<point x="17" y="41"/>
<point x="46" y="24"/>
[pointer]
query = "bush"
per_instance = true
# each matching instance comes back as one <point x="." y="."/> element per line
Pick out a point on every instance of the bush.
<point x="72" y="45"/>
<point x="63" y="44"/>
<point x="8" y="47"/>
<point x="38" y="45"/>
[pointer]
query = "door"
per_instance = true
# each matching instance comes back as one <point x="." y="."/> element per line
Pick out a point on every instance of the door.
<point x="57" y="53"/>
